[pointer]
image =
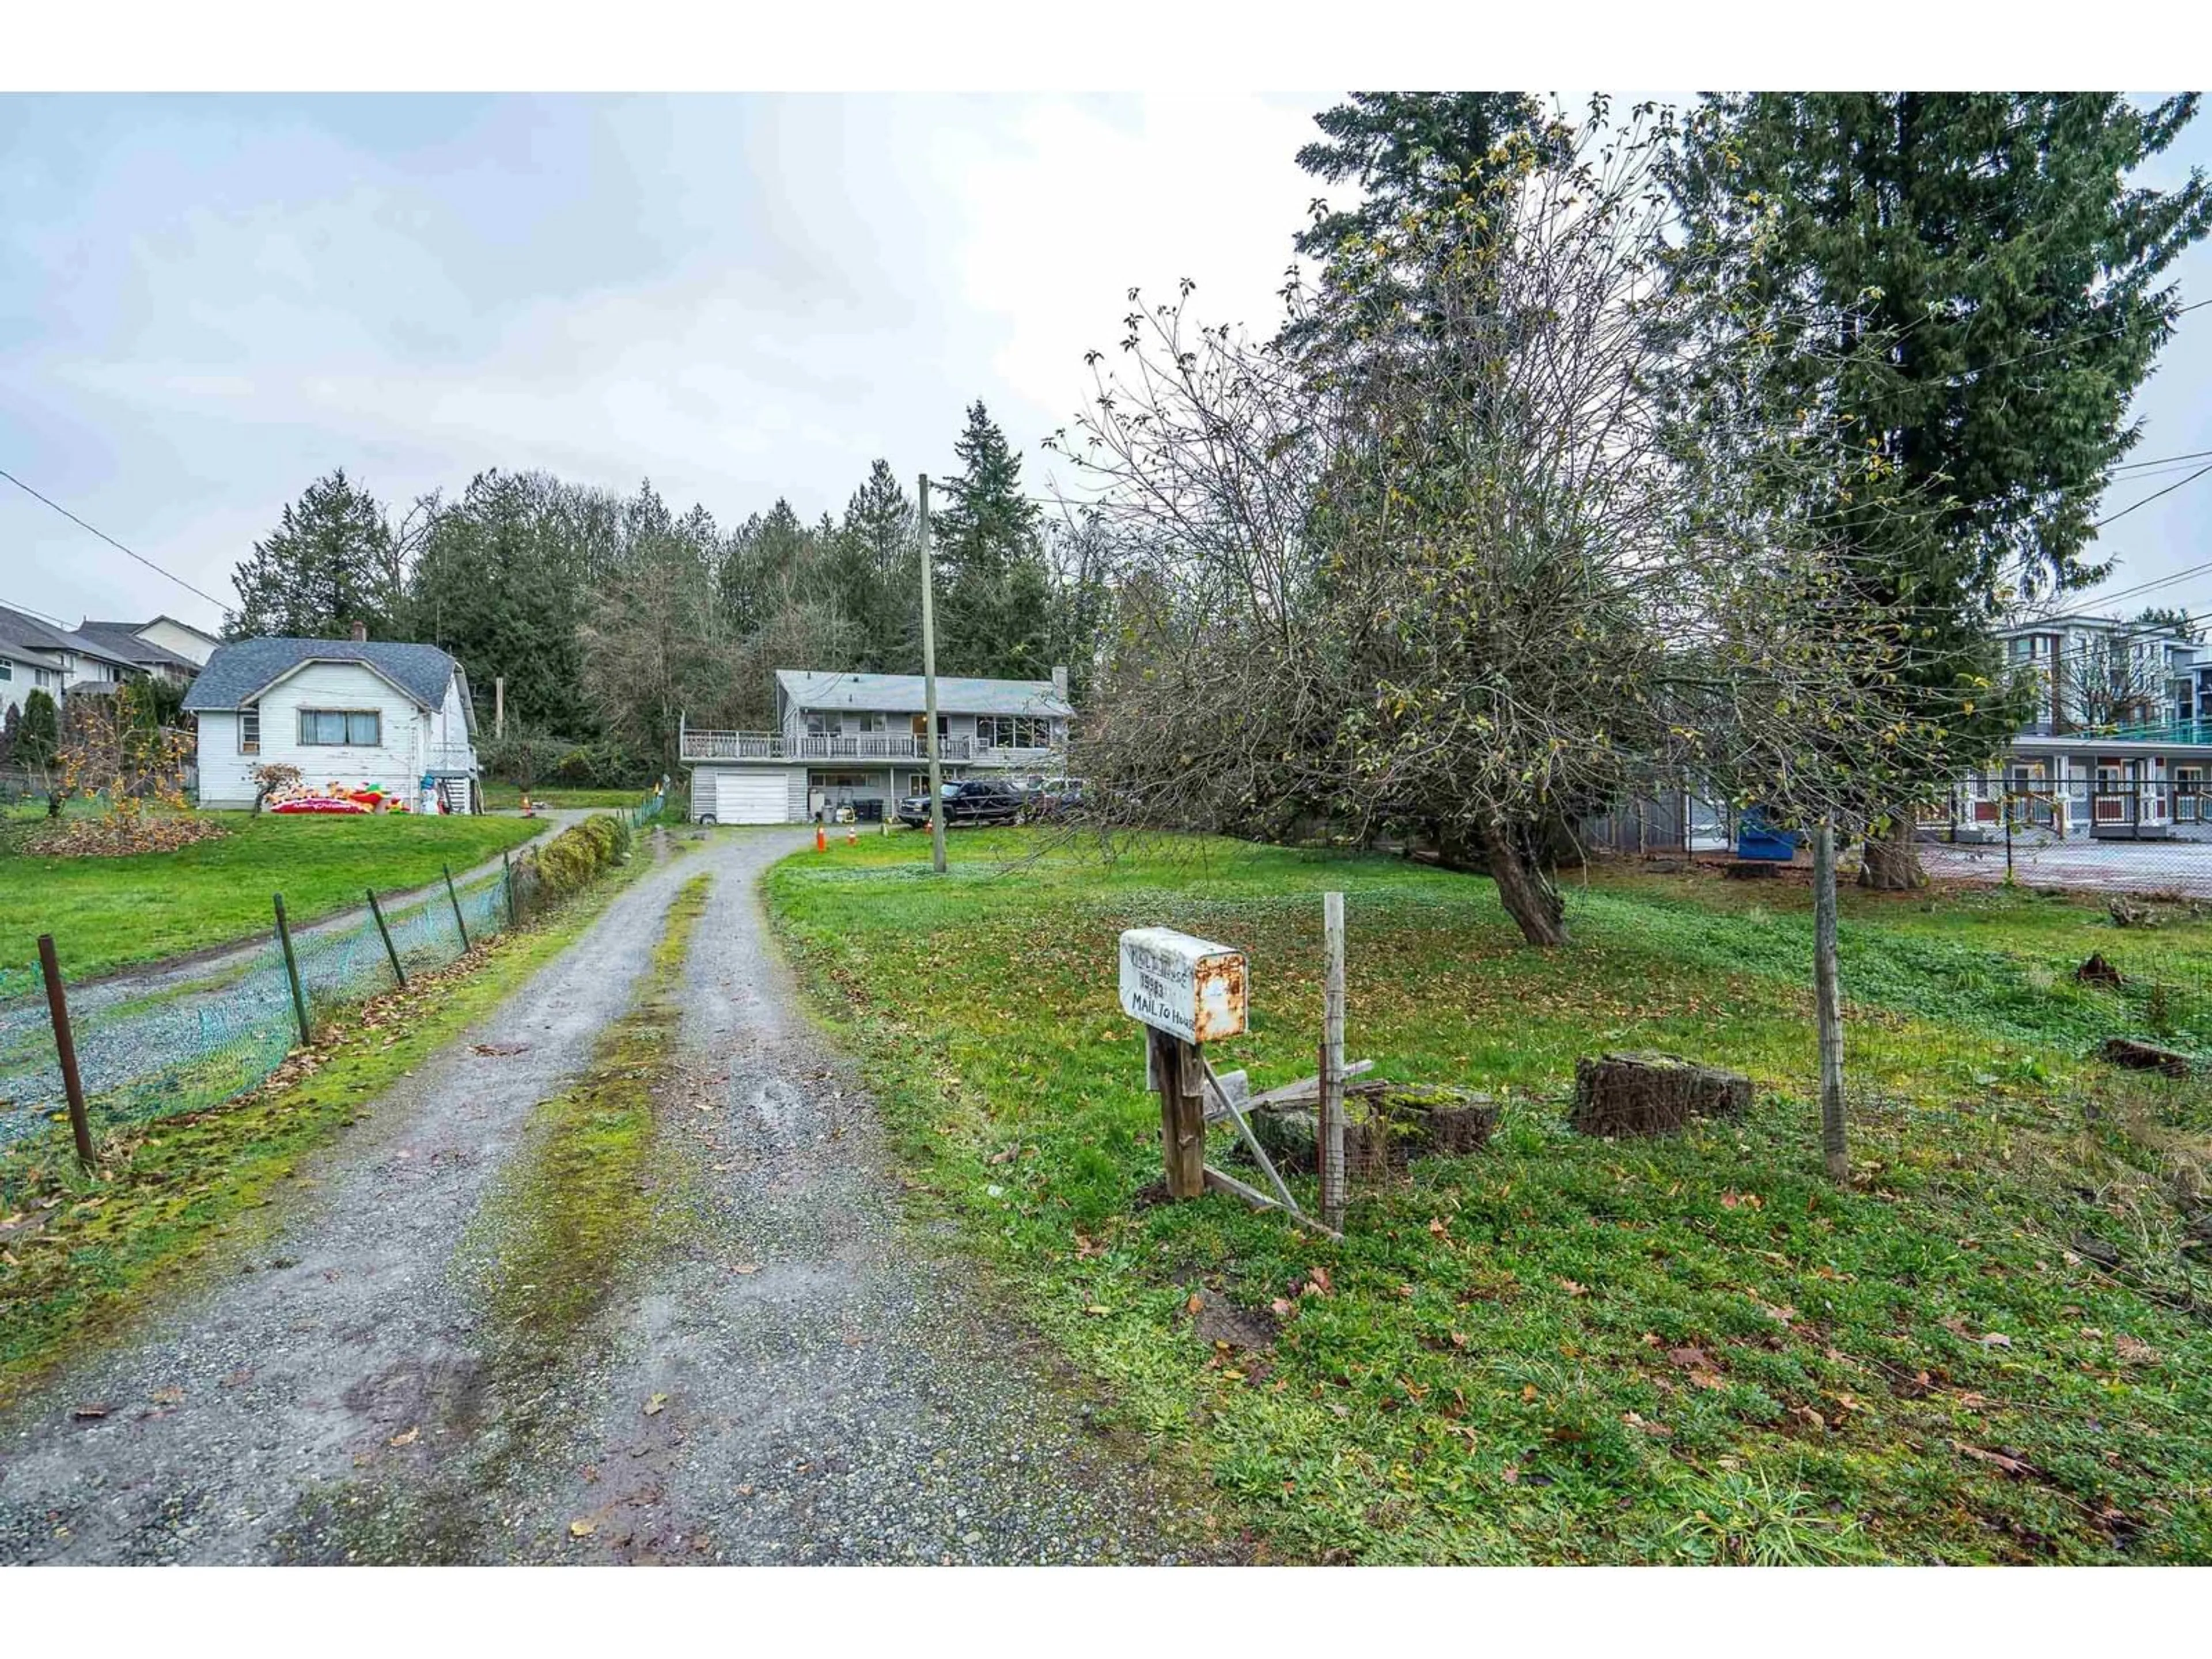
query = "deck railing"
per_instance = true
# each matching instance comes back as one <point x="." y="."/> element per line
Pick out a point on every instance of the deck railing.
<point x="860" y="745"/>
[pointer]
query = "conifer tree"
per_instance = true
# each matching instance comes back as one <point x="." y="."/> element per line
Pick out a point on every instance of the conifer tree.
<point x="1984" y="271"/>
<point x="993" y="619"/>
<point x="332" y="562"/>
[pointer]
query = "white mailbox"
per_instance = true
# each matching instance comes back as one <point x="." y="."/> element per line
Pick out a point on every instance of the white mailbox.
<point x="1190" y="988"/>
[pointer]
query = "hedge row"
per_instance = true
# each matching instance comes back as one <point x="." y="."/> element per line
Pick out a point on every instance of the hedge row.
<point x="572" y="859"/>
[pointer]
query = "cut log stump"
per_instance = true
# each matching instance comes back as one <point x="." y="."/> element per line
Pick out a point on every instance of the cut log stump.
<point x="1387" y="1126"/>
<point x="2145" y="1057"/>
<point x="1652" y="1094"/>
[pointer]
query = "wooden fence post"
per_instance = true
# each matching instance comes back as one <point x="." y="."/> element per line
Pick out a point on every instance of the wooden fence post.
<point x="65" y="1048"/>
<point x="1332" y="1063"/>
<point x="390" y="950"/>
<point x="292" y="973"/>
<point x="506" y="876"/>
<point x="456" y="898"/>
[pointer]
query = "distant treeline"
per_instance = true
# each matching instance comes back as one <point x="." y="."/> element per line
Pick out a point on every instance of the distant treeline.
<point x="608" y="616"/>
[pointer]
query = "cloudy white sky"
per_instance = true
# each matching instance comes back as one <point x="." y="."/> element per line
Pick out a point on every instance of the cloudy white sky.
<point x="207" y="302"/>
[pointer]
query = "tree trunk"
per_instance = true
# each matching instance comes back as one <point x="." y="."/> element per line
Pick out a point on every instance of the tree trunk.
<point x="1827" y="1005"/>
<point x="1525" y="888"/>
<point x="1892" y="863"/>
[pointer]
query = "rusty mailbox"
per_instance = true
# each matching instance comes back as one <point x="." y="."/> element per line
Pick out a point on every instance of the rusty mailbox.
<point x="1189" y="987"/>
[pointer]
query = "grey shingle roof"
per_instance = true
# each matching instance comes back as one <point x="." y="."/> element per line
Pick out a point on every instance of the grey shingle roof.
<point x="240" y="672"/>
<point x="903" y="694"/>
<point x="122" y="639"/>
<point x="28" y="634"/>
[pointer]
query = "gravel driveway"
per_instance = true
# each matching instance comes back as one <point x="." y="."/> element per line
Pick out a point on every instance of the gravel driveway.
<point x="802" y="1376"/>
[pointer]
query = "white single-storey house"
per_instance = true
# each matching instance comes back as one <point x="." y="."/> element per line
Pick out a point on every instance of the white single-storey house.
<point x="861" y="740"/>
<point x="354" y="712"/>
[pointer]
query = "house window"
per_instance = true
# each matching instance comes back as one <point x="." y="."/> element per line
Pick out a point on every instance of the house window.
<point x="839" y="780"/>
<point x="819" y="725"/>
<point x="1013" y="731"/>
<point x="871" y="722"/>
<point x="249" y="731"/>
<point x="6" y="669"/>
<point x="352" y="728"/>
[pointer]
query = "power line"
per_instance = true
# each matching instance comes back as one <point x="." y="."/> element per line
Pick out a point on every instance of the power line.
<point x="2153" y="496"/>
<point x="2160" y="460"/>
<point x="112" y="542"/>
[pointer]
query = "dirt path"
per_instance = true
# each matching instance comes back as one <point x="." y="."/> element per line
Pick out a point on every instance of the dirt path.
<point x="822" y="1387"/>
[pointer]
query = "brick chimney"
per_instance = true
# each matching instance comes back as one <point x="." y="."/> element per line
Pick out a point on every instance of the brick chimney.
<point x="360" y="632"/>
<point x="1060" y="683"/>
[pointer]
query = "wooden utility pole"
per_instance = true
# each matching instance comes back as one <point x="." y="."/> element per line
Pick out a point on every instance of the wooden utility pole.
<point x="929" y="689"/>
<point x="1332" y="1062"/>
<point x="65" y="1048"/>
<point x="1827" y="1005"/>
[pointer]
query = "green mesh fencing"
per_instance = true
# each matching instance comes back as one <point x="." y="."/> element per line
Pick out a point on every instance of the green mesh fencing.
<point x="167" y="1041"/>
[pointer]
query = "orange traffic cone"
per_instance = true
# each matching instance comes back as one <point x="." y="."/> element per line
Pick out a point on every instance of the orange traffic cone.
<point x="821" y="841"/>
<point x="853" y="833"/>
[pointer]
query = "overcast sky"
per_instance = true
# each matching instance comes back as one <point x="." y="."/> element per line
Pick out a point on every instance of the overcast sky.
<point x="207" y="303"/>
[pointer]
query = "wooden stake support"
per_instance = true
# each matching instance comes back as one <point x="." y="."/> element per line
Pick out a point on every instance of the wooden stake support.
<point x="65" y="1048"/>
<point x="390" y="950"/>
<point x="456" y="898"/>
<point x="292" y="973"/>
<point x="1332" y="1063"/>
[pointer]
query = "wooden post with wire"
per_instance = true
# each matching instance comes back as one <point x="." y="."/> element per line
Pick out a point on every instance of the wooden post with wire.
<point x="390" y="949"/>
<point x="292" y="973"/>
<point x="456" y="898"/>
<point x="65" y="1048"/>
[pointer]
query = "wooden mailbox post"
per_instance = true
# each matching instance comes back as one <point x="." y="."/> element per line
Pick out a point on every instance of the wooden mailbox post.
<point x="1187" y="993"/>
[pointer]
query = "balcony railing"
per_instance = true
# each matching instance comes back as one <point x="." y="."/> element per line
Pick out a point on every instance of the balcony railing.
<point x="859" y="745"/>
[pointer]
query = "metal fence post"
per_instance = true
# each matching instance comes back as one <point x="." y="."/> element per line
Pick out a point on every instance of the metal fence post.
<point x="65" y="1048"/>
<point x="506" y="881"/>
<point x="390" y="950"/>
<point x="292" y="973"/>
<point x="456" y="898"/>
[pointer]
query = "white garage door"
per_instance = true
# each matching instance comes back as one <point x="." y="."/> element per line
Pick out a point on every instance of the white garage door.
<point x="751" y="798"/>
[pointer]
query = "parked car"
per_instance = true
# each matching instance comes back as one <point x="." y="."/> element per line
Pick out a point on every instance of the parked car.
<point x="1056" y="797"/>
<point x="972" y="800"/>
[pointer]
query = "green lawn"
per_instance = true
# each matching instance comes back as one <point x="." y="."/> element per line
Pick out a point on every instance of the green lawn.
<point x="1992" y="1346"/>
<point x="106" y="913"/>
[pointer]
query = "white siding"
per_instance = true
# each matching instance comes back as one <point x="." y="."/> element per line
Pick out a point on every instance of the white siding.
<point x="706" y="783"/>
<point x="395" y="765"/>
<point x="182" y="641"/>
<point x="225" y="774"/>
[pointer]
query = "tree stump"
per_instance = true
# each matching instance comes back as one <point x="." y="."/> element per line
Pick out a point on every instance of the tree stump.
<point x="2098" y="971"/>
<point x="1388" y="1125"/>
<point x="1652" y="1094"/>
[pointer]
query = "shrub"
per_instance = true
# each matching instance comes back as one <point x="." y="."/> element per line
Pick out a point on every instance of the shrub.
<point x="572" y="859"/>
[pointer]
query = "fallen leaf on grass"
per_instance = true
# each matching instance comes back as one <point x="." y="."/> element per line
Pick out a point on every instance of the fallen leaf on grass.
<point x="1636" y="1421"/>
<point x="1317" y="1283"/>
<point x="1098" y="1310"/>
<point x="2003" y="1462"/>
<point x="1511" y="1474"/>
<point x="655" y="1404"/>
<point x="2133" y="1352"/>
<point x="407" y="1438"/>
<point x="1195" y="1302"/>
<point x="1438" y="1227"/>
<point x="1573" y="1289"/>
<point x="1282" y="1307"/>
<point x="580" y="1529"/>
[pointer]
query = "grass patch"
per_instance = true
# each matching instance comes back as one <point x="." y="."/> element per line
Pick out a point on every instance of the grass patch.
<point x="581" y="1203"/>
<point x="1992" y="1347"/>
<point x="108" y="913"/>
<point x="81" y="1254"/>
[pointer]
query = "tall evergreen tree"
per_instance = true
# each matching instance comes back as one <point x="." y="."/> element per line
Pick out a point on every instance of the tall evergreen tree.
<point x="38" y="737"/>
<point x="873" y="568"/>
<point x="1969" y="282"/>
<point x="332" y="562"/>
<point x="1405" y="150"/>
<point x="993" y="617"/>
<point x="502" y="584"/>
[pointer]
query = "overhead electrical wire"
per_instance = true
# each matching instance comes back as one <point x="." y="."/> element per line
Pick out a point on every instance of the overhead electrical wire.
<point x="112" y="542"/>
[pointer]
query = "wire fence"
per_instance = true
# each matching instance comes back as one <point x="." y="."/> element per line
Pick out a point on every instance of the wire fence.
<point x="172" y="1041"/>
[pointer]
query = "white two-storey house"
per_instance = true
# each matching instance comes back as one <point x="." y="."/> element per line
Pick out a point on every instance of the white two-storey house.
<point x="357" y="712"/>
<point x="861" y="740"/>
